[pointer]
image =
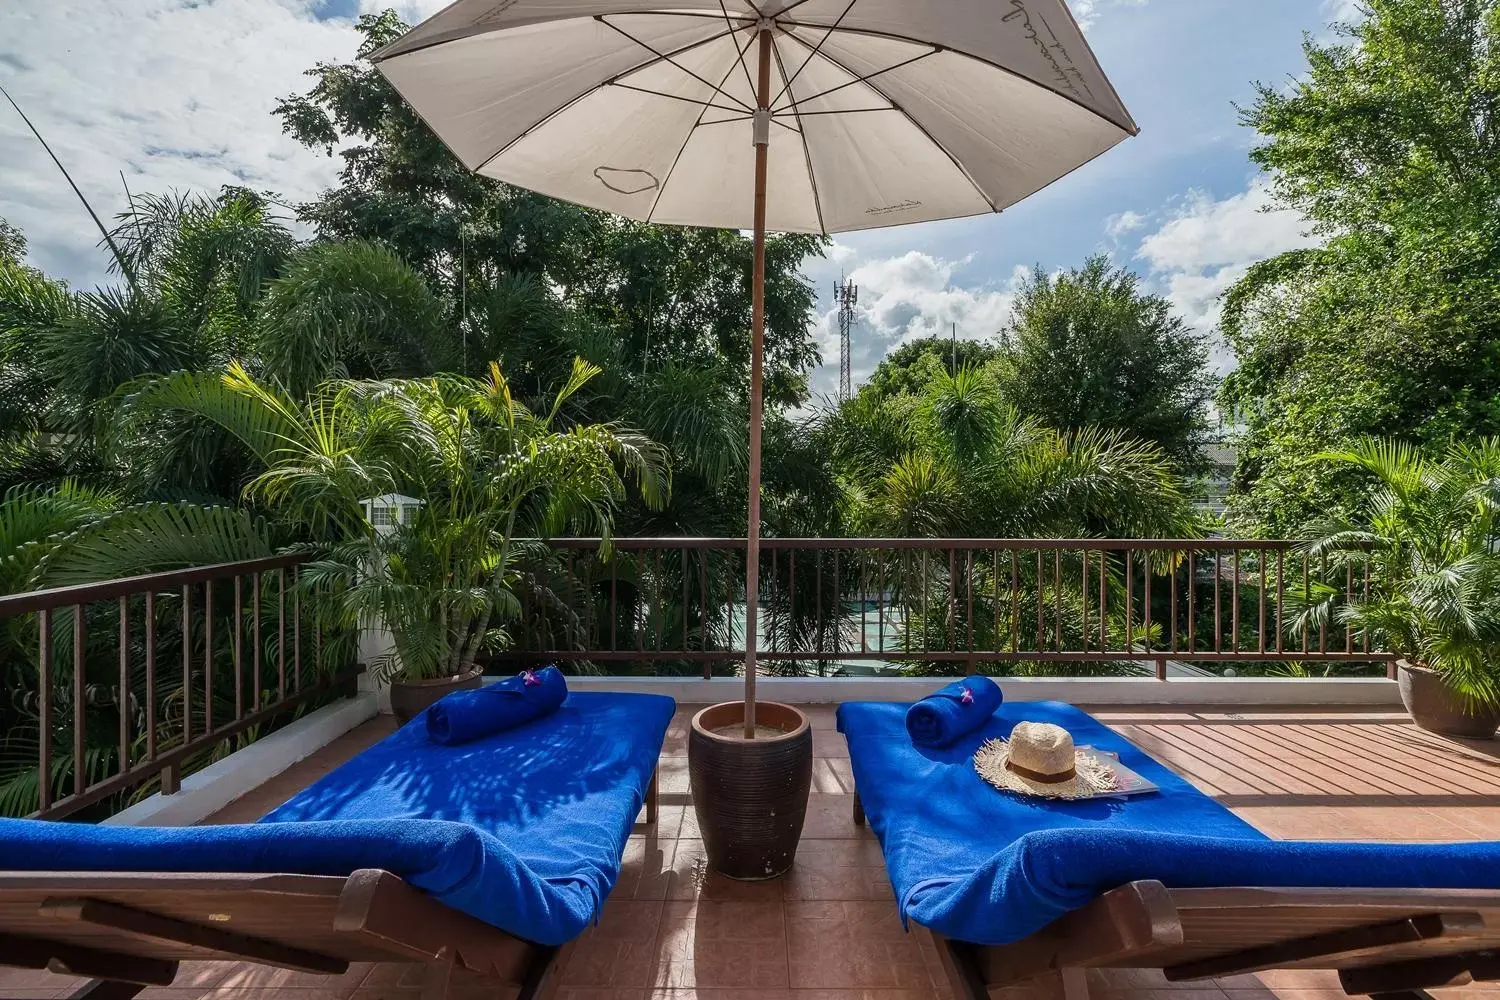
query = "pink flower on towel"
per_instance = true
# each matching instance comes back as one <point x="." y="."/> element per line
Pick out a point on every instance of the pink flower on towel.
<point x="968" y="697"/>
<point x="530" y="679"/>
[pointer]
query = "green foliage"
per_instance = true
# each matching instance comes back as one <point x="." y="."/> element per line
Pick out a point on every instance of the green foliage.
<point x="12" y="243"/>
<point x="1087" y="348"/>
<point x="1388" y="146"/>
<point x="483" y="466"/>
<point x="909" y="368"/>
<point x="1429" y="529"/>
<point x="960" y="461"/>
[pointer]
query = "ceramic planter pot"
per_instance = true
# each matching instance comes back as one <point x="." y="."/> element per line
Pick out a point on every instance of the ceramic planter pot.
<point x="750" y="795"/>
<point x="1435" y="707"/>
<point x="410" y="698"/>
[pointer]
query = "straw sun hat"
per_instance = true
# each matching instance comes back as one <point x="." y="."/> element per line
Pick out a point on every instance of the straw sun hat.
<point x="1040" y="759"/>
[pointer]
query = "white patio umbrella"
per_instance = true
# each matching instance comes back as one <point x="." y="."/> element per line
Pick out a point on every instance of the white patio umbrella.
<point x="820" y="116"/>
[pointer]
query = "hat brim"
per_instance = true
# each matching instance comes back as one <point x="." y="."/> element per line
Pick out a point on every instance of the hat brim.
<point x="1091" y="775"/>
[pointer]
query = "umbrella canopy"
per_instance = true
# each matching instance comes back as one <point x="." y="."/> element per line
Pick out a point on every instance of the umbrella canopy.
<point x="819" y="116"/>
<point x="883" y="112"/>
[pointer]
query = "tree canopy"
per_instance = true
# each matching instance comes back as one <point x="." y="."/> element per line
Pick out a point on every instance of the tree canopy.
<point x="1086" y="347"/>
<point x="1388" y="146"/>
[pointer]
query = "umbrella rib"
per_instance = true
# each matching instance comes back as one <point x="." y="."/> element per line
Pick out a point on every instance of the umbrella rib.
<point x="857" y="79"/>
<point x="923" y="129"/>
<point x="612" y="80"/>
<point x="741" y="57"/>
<point x="689" y="137"/>
<point x="812" y="178"/>
<point x="787" y="86"/>
<point x="674" y="97"/>
<point x="1130" y="129"/>
<point x="666" y="58"/>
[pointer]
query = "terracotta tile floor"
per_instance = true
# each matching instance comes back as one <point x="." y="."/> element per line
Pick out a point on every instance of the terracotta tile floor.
<point x="673" y="930"/>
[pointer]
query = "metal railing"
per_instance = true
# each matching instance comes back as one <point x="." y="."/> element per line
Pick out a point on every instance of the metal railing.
<point x="138" y="680"/>
<point x="1102" y="605"/>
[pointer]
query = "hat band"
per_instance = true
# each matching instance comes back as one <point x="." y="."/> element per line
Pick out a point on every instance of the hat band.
<point x="1046" y="779"/>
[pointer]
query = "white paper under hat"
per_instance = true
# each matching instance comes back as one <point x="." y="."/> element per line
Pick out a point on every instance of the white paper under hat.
<point x="1039" y="759"/>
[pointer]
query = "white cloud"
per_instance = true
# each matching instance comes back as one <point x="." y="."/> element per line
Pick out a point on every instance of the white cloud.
<point x="1087" y="11"/>
<point x="1207" y="245"/>
<point x="1123" y="223"/>
<point x="907" y="298"/>
<point x="174" y="94"/>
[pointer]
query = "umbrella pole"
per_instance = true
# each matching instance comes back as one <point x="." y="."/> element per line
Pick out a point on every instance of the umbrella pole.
<point x="757" y="350"/>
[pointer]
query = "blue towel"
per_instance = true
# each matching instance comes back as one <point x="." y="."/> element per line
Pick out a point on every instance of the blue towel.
<point x="523" y="830"/>
<point x="943" y="717"/>
<point x="981" y="866"/>
<point x="464" y="716"/>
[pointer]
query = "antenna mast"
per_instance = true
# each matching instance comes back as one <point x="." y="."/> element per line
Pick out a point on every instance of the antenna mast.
<point x="846" y="294"/>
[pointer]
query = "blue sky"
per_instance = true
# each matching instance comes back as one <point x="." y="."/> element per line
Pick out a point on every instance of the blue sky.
<point x="177" y="93"/>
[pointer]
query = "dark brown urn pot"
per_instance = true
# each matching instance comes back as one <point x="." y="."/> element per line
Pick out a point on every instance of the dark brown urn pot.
<point x="750" y="795"/>
<point x="409" y="698"/>
<point x="1435" y="707"/>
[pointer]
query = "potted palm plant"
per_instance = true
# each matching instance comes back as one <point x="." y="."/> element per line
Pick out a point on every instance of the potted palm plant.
<point x="1429" y="533"/>
<point x="480" y="470"/>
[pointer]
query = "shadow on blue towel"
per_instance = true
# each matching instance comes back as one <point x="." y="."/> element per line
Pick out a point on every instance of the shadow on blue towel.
<point x="523" y="830"/>
<point x="984" y="866"/>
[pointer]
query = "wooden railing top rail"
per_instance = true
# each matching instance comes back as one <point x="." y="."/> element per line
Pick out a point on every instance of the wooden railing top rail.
<point x="1092" y="544"/>
<point x="83" y="593"/>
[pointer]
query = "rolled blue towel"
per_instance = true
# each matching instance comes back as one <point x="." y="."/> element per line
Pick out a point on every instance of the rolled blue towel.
<point x="465" y="716"/>
<point x="947" y="716"/>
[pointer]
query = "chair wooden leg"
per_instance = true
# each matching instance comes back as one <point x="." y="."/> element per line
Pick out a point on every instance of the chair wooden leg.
<point x="539" y="975"/>
<point x="859" y="811"/>
<point x="653" y="797"/>
<point x="438" y="976"/>
<point x="960" y="962"/>
<point x="1075" y="983"/>
<point x="106" y="989"/>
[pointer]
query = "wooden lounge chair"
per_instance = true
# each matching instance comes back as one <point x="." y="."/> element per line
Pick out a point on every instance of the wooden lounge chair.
<point x="1387" y="943"/>
<point x="129" y="930"/>
<point x="1170" y="881"/>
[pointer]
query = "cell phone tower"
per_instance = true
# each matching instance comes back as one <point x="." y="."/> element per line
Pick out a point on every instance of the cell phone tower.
<point x="846" y="294"/>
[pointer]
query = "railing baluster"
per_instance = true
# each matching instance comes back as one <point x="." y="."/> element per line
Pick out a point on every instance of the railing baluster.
<point x="1323" y="625"/>
<point x="150" y="675"/>
<point x="1218" y="618"/>
<point x="281" y="635"/>
<point x="123" y="698"/>
<point x="969" y="597"/>
<point x="948" y="625"/>
<point x="255" y="685"/>
<point x="1234" y="612"/>
<point x="1348" y="599"/>
<point x="1261" y="607"/>
<point x="208" y="658"/>
<point x="1146" y="600"/>
<point x="44" y="709"/>
<point x="1192" y="586"/>
<point x="1280" y="597"/>
<point x="659" y="610"/>
<point x="239" y="646"/>
<point x="838" y="605"/>
<point x="1041" y="604"/>
<point x="1103" y="602"/>
<point x="1057" y="594"/>
<point x="1129" y="602"/>
<point x="1083" y="590"/>
<point x="1306" y="604"/>
<point x="187" y="664"/>
<point x="1015" y="601"/>
<point x="297" y="629"/>
<point x="1172" y="602"/>
<point x="80" y="701"/>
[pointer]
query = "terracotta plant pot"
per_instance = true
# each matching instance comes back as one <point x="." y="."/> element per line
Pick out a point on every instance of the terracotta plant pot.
<point x="1436" y="708"/>
<point x="750" y="795"/>
<point x="409" y="698"/>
